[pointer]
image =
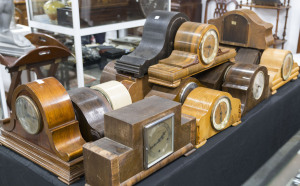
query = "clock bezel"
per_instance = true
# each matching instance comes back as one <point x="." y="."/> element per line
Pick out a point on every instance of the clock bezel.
<point x="146" y="143"/>
<point x="35" y="107"/>
<point x="208" y="60"/>
<point x="286" y="60"/>
<point x="260" y="72"/>
<point x="228" y="113"/>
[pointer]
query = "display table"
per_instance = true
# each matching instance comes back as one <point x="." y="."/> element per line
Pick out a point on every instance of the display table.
<point x="229" y="158"/>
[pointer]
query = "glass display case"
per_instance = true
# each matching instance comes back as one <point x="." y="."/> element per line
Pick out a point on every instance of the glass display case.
<point x="88" y="17"/>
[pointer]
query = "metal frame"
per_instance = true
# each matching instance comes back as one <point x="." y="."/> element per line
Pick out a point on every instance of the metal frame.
<point x="146" y="143"/>
<point x="77" y="32"/>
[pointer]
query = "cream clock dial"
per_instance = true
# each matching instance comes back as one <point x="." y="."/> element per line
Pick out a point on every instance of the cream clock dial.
<point x="209" y="46"/>
<point x="258" y="85"/>
<point x="221" y="113"/>
<point x="28" y="114"/>
<point x="159" y="140"/>
<point x="287" y="66"/>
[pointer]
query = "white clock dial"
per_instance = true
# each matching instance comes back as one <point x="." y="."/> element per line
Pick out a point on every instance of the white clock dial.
<point x="221" y="113"/>
<point x="287" y="66"/>
<point x="258" y="85"/>
<point x="28" y="114"/>
<point x="209" y="46"/>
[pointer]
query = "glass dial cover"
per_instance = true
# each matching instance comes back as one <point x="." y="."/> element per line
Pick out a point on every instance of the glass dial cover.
<point x="158" y="140"/>
<point x="28" y="114"/>
<point x="287" y="66"/>
<point x="209" y="46"/>
<point x="221" y="113"/>
<point x="258" y="85"/>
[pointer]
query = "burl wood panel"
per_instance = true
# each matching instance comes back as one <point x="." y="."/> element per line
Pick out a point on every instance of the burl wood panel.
<point x="244" y="28"/>
<point x="177" y="94"/>
<point x="248" y="56"/>
<point x="200" y="103"/>
<point x="157" y="42"/>
<point x="273" y="59"/>
<point x="90" y="107"/>
<point x="239" y="83"/>
<point x="213" y="78"/>
<point x="169" y="73"/>
<point x="119" y="155"/>
<point x="59" y="137"/>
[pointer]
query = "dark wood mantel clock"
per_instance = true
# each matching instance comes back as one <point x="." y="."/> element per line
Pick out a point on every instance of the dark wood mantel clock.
<point x="43" y="128"/>
<point x="139" y="139"/>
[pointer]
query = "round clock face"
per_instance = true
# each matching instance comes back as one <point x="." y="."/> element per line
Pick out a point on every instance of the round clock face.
<point x="221" y="113"/>
<point x="258" y="85"/>
<point x="209" y="46"/>
<point x="28" y="115"/>
<point x="287" y="66"/>
<point x="148" y="6"/>
<point x="186" y="90"/>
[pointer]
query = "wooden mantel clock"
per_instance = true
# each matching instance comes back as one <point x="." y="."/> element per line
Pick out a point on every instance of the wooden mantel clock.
<point x="90" y="105"/>
<point x="214" y="111"/>
<point x="244" y="28"/>
<point x="196" y="49"/>
<point x="281" y="67"/>
<point x="247" y="82"/>
<point x="43" y="128"/>
<point x="139" y="139"/>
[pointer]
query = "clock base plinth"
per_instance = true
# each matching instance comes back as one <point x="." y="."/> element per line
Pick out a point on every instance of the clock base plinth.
<point x="201" y="144"/>
<point x="278" y="82"/>
<point x="67" y="172"/>
<point x="236" y="123"/>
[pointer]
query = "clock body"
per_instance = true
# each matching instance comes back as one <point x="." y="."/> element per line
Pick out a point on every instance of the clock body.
<point x="281" y="67"/>
<point x="157" y="43"/>
<point x="249" y="83"/>
<point x="115" y="93"/>
<point x="177" y="94"/>
<point x="248" y="56"/>
<point x="43" y="128"/>
<point x="244" y="28"/>
<point x="196" y="49"/>
<point x="90" y="107"/>
<point x="214" y="111"/>
<point x="139" y="139"/>
<point x="213" y="78"/>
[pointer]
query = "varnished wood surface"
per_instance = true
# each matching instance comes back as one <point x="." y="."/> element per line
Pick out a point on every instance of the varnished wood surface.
<point x="120" y="153"/>
<point x="239" y="82"/>
<point x="40" y="39"/>
<point x="109" y="72"/>
<point x="90" y="107"/>
<point x="256" y="34"/>
<point x="199" y="104"/>
<point x="170" y="74"/>
<point x="213" y="78"/>
<point x="248" y="56"/>
<point x="157" y="42"/>
<point x="60" y="133"/>
<point x="174" y="93"/>
<point x="273" y="60"/>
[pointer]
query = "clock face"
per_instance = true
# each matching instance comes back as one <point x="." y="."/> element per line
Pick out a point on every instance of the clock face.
<point x="148" y="6"/>
<point x="209" y="46"/>
<point x="28" y="115"/>
<point x="258" y="85"/>
<point x="158" y="140"/>
<point x="221" y="113"/>
<point x="287" y="66"/>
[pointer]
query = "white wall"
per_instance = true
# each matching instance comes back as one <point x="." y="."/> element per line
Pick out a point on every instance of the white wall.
<point x="268" y="15"/>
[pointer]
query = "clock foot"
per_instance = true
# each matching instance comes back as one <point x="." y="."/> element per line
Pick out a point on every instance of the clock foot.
<point x="189" y="152"/>
<point x="236" y="123"/>
<point x="201" y="144"/>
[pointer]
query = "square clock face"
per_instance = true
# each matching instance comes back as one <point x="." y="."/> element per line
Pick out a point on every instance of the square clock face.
<point x="158" y="140"/>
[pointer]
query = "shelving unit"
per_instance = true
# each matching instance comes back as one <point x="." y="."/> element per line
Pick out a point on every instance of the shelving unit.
<point x="77" y="32"/>
<point x="285" y="6"/>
